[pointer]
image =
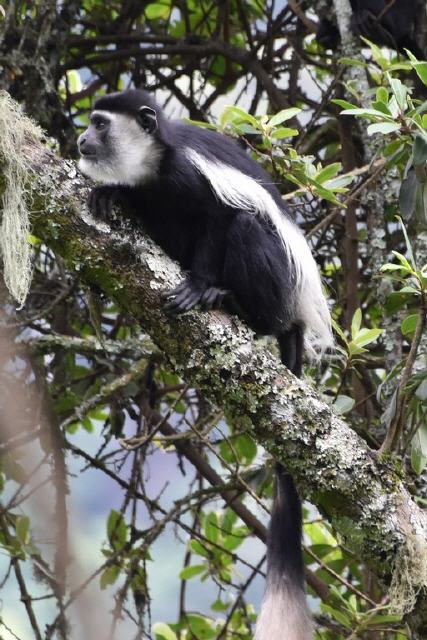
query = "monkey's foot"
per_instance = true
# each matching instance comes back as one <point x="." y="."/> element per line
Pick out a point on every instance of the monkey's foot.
<point x="102" y="201"/>
<point x="190" y="293"/>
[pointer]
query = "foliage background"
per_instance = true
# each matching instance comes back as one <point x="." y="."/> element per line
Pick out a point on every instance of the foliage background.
<point x="111" y="466"/>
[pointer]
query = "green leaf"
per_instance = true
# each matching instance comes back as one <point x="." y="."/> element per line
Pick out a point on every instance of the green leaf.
<point x="22" y="528"/>
<point x="340" y="617"/>
<point x="158" y="10"/>
<point x="199" y="123"/>
<point x="421" y="70"/>
<point x="381" y="106"/>
<point x="419" y="151"/>
<point x="382" y="95"/>
<point x="409" y="324"/>
<point x="220" y="606"/>
<point x="390" y="410"/>
<point x="339" y="331"/>
<point x="408" y="195"/>
<point x="408" y="246"/>
<point x="282" y="116"/>
<point x="392" y="148"/>
<point x="353" y="62"/>
<point x="377" y="53"/>
<point x="190" y="572"/>
<point x="228" y="520"/>
<point x="365" y="112"/>
<point x="343" y="404"/>
<point x="245" y="447"/>
<point x="163" y="631"/>
<point x="116" y="530"/>
<point x="355" y="350"/>
<point x="391" y="267"/>
<point x="399" y="299"/>
<point x="230" y="113"/>
<point x="235" y="539"/>
<point x="399" y="90"/>
<point x="200" y="627"/>
<point x="74" y="81"/>
<point x="109" y="576"/>
<point x="87" y="424"/>
<point x="211" y="527"/>
<point x="403" y="261"/>
<point x="33" y="240"/>
<point x="356" y="322"/>
<point x="421" y="391"/>
<point x="419" y="450"/>
<point x="382" y="127"/>
<point x="284" y="132"/>
<point x="199" y="549"/>
<point x="329" y="172"/>
<point x="384" y="620"/>
<point x="366" y="336"/>
<point x="343" y="103"/>
<point x="324" y="193"/>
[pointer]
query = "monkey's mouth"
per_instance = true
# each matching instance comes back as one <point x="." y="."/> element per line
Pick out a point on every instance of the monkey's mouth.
<point x="87" y="155"/>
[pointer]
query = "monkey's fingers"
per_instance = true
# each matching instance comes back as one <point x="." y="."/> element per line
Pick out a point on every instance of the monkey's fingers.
<point x="177" y="291"/>
<point x="213" y="297"/>
<point x="183" y="298"/>
<point x="100" y="203"/>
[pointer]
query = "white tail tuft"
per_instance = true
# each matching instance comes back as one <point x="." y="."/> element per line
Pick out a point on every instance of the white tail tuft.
<point x="284" y="615"/>
<point x="240" y="191"/>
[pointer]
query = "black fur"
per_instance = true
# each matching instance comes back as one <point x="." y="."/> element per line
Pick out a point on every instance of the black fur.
<point x="285" y="557"/>
<point x="382" y="21"/>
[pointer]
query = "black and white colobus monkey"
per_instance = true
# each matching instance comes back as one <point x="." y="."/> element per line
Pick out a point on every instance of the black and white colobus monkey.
<point x="212" y="208"/>
<point x="387" y="22"/>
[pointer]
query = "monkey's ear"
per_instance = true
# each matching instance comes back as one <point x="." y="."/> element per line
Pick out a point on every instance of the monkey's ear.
<point x="147" y="118"/>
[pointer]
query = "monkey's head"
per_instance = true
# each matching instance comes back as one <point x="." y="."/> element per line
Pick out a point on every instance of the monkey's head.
<point x="121" y="144"/>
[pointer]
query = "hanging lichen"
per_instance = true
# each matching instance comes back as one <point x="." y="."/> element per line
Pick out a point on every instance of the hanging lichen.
<point x="16" y="132"/>
<point x="409" y="575"/>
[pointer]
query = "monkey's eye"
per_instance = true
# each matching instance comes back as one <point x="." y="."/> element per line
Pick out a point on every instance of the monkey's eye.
<point x="99" y="123"/>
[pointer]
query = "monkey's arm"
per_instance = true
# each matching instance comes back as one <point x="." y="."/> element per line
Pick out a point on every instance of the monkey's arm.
<point x="203" y="284"/>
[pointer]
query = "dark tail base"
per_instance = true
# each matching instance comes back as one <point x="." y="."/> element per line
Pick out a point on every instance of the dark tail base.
<point x="291" y="345"/>
<point x="284" y="543"/>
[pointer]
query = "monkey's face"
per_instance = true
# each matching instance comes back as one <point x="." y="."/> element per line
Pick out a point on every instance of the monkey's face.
<point x="117" y="148"/>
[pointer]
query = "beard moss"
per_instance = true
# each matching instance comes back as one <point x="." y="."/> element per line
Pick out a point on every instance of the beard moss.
<point x="17" y="132"/>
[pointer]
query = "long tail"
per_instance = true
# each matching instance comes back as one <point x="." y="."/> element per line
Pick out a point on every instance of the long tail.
<point x="284" y="613"/>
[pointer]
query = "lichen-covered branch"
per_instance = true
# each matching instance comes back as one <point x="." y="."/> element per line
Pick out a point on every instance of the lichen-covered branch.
<point x="364" y="498"/>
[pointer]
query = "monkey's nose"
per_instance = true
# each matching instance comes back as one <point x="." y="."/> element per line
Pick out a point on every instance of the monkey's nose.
<point x="85" y="148"/>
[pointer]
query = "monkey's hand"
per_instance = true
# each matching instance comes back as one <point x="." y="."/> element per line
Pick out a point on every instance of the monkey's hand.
<point x="192" y="292"/>
<point x="102" y="201"/>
